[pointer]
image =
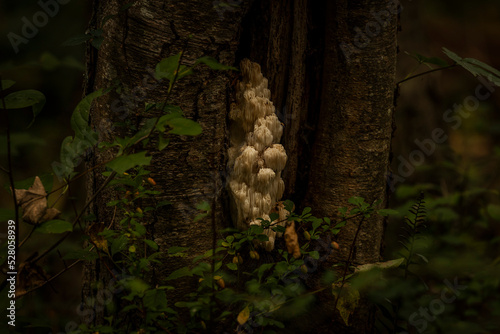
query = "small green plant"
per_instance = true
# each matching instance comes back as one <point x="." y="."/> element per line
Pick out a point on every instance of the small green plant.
<point x="238" y="284"/>
<point x="390" y="317"/>
<point x="121" y="245"/>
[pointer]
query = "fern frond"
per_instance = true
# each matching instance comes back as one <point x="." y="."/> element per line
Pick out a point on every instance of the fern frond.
<point x="413" y="228"/>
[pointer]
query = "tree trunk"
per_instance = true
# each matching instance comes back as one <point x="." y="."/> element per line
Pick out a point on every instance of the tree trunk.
<point x="350" y="156"/>
<point x="190" y="170"/>
<point x="337" y="112"/>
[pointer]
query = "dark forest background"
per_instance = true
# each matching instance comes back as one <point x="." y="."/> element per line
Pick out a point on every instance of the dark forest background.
<point x="467" y="161"/>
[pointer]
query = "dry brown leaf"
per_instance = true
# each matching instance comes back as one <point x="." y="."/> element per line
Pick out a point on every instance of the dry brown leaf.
<point x="97" y="240"/>
<point x="347" y="301"/>
<point x="243" y="316"/>
<point x="34" y="204"/>
<point x="30" y="276"/>
<point x="292" y="240"/>
<point x="291" y="237"/>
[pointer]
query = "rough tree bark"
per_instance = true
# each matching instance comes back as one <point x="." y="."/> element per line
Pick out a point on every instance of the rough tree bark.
<point x="337" y="112"/>
<point x="351" y="149"/>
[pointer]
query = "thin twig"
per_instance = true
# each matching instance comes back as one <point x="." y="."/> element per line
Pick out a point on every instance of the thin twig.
<point x="78" y="176"/>
<point x="49" y="280"/>
<point x="351" y="251"/>
<point x="427" y="72"/>
<point x="168" y="94"/>
<point x="28" y="236"/>
<point x="110" y="177"/>
<point x="73" y="205"/>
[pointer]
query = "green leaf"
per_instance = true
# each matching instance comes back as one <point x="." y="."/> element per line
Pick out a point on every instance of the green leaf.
<point x="25" y="98"/>
<point x="163" y="121"/>
<point x="273" y="216"/>
<point x="119" y="244"/>
<point x="166" y="69"/>
<point x="347" y="303"/>
<point x="255" y="229"/>
<point x="6" y="84"/>
<point x="494" y="211"/>
<point x="155" y="300"/>
<point x="83" y="107"/>
<point x="182" y="272"/>
<point x="483" y="65"/>
<point x="96" y="32"/>
<point x="288" y="205"/>
<point x="279" y="229"/>
<point x="436" y="61"/>
<point x="82" y="129"/>
<point x="262" y="237"/>
<point x="204" y="206"/>
<point x="476" y="67"/>
<point x="214" y="64"/>
<point x="80" y="116"/>
<point x="72" y="149"/>
<point x="151" y="244"/>
<point x="140" y="229"/>
<point x="162" y="142"/>
<point x="356" y="200"/>
<point x="184" y="126"/>
<point x="136" y="286"/>
<point x="429" y="60"/>
<point x="144" y="131"/>
<point x="125" y="162"/>
<point x="48" y="61"/>
<point x="96" y="42"/>
<point x="200" y="216"/>
<point x="55" y="226"/>
<point x="232" y="266"/>
<point x="314" y="255"/>
<point x="316" y="223"/>
<point x="263" y="268"/>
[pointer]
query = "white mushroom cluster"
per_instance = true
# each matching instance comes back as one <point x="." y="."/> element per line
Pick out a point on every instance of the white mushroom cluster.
<point x="256" y="159"/>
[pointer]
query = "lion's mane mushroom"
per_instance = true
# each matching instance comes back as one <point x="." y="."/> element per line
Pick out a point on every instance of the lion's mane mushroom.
<point x="255" y="158"/>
